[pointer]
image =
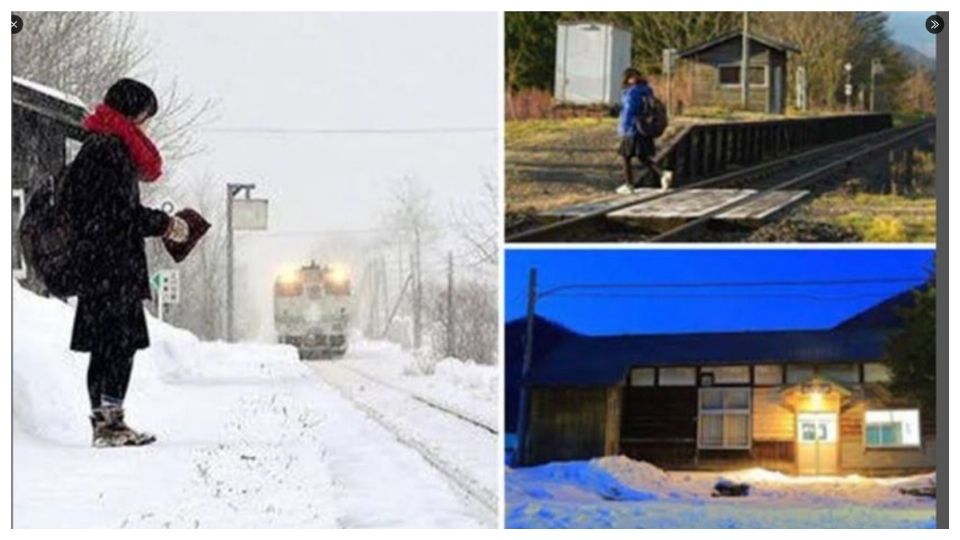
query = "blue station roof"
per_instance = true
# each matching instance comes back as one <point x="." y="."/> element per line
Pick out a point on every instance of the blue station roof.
<point x="581" y="360"/>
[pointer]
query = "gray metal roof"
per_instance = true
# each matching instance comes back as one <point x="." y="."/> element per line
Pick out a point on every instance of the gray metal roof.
<point x="49" y="102"/>
<point x="605" y="360"/>
<point x="781" y="46"/>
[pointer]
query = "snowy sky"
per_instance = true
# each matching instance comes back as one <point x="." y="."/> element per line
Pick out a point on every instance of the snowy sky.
<point x="339" y="72"/>
<point x="354" y="71"/>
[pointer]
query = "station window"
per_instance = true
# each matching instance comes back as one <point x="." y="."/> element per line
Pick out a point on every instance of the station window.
<point x="767" y="375"/>
<point x="841" y="373"/>
<point x="876" y="373"/>
<point x="798" y="373"/>
<point x="729" y="374"/>
<point x="641" y="377"/>
<point x="678" y="376"/>
<point x="724" y="418"/>
<point x="893" y="428"/>
<point x="730" y="75"/>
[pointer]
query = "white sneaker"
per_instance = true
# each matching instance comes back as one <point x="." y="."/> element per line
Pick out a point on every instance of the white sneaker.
<point x="666" y="180"/>
<point x="625" y="189"/>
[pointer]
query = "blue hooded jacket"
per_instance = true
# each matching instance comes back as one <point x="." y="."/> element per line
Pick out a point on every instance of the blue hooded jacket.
<point x="632" y="99"/>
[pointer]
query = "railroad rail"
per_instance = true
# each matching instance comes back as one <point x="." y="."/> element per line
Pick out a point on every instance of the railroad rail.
<point x="445" y="408"/>
<point x="791" y="171"/>
<point x="483" y="501"/>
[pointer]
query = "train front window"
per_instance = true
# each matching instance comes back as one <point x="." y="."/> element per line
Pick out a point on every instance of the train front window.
<point x="337" y="288"/>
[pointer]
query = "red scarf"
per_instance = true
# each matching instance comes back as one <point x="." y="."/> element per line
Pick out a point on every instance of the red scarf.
<point x="146" y="157"/>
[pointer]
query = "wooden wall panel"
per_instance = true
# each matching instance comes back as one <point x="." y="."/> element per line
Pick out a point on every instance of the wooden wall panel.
<point x="566" y="424"/>
<point x="772" y="421"/>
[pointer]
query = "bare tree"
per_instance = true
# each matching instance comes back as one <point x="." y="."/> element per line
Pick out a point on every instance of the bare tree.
<point x="478" y="225"/>
<point x="84" y="52"/>
<point x="410" y="218"/>
<point x="826" y="39"/>
<point x="476" y="317"/>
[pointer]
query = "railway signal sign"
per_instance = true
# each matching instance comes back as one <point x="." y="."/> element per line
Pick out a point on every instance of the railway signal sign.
<point x="166" y="285"/>
<point x="669" y="60"/>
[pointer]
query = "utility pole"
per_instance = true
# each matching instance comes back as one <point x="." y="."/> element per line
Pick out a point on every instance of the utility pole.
<point x="451" y="320"/>
<point x="523" y="420"/>
<point x="876" y="68"/>
<point x="745" y="63"/>
<point x="232" y="191"/>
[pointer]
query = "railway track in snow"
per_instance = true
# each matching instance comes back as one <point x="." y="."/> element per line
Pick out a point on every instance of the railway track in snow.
<point x="453" y="442"/>
<point x="446" y="408"/>
<point x="802" y="170"/>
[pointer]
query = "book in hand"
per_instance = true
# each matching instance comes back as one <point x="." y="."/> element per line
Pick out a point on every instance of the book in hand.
<point x="198" y="227"/>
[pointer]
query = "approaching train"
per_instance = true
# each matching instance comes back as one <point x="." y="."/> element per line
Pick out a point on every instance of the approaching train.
<point x="312" y="306"/>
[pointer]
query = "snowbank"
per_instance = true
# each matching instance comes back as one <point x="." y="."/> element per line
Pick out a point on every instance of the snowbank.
<point x="463" y="384"/>
<point x="621" y="492"/>
<point x="49" y="394"/>
<point x="49" y="380"/>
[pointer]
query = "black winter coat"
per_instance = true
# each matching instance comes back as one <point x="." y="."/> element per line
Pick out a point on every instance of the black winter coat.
<point x="102" y="197"/>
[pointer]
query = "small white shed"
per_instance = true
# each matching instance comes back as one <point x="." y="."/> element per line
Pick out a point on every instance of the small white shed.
<point x="591" y="58"/>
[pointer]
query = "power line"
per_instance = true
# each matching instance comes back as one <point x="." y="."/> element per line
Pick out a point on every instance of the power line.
<point x="352" y="131"/>
<point x="730" y="284"/>
<point x="748" y="296"/>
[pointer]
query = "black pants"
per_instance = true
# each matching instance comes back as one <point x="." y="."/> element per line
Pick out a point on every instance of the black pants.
<point x="642" y="148"/>
<point x="108" y="375"/>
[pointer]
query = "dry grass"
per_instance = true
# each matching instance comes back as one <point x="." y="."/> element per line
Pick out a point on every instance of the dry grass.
<point x="877" y="217"/>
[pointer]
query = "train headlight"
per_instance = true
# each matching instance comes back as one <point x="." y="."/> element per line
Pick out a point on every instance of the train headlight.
<point x="338" y="274"/>
<point x="289" y="275"/>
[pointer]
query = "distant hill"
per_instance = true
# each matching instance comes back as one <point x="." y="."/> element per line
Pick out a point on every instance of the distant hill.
<point x="916" y="58"/>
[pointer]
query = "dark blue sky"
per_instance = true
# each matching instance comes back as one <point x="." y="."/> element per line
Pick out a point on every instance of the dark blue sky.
<point x="703" y="309"/>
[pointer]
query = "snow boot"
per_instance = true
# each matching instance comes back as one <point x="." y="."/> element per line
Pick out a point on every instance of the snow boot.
<point x="110" y="430"/>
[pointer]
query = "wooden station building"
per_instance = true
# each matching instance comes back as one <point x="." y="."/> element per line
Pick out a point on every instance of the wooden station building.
<point x="800" y="402"/>
<point x="713" y="70"/>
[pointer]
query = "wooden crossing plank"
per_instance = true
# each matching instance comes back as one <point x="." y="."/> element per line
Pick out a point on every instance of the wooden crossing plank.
<point x="580" y="209"/>
<point x="684" y="204"/>
<point x="764" y="205"/>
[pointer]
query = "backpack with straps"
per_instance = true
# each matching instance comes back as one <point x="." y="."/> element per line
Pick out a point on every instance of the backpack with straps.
<point x="652" y="120"/>
<point x="47" y="237"/>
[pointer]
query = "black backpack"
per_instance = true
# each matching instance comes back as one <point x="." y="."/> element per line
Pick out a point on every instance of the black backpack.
<point x="47" y="237"/>
<point x="652" y="121"/>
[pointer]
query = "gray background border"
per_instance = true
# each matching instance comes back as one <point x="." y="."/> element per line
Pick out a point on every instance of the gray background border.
<point x="942" y="189"/>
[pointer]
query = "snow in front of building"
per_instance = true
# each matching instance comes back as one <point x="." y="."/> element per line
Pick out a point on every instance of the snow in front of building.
<point x="248" y="436"/>
<point x="621" y="492"/>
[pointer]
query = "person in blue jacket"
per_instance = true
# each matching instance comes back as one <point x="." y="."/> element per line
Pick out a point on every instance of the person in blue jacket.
<point x="633" y="143"/>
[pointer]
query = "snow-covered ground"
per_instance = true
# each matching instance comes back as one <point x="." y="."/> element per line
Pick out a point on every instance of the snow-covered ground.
<point x="620" y="492"/>
<point x="445" y="415"/>
<point x="248" y="436"/>
<point x="465" y="386"/>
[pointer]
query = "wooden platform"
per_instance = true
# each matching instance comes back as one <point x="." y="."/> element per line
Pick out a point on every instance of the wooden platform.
<point x="581" y="209"/>
<point x="686" y="204"/>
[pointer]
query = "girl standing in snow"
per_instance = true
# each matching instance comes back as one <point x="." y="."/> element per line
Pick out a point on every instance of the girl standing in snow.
<point x="633" y="143"/>
<point x="102" y="198"/>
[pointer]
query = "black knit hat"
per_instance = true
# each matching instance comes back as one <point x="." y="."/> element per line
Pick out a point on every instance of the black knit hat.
<point x="131" y="98"/>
